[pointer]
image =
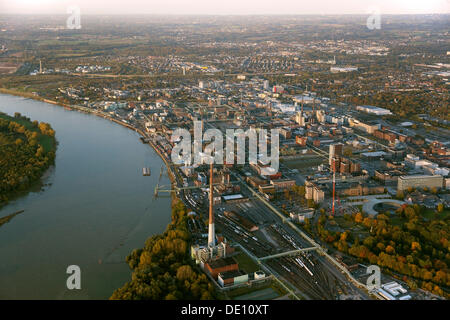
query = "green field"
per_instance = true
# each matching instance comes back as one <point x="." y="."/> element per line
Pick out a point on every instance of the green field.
<point x="432" y="214"/>
<point x="246" y="264"/>
<point x="303" y="162"/>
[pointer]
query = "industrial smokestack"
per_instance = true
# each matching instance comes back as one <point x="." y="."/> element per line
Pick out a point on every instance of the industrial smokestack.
<point x="211" y="229"/>
<point x="301" y="114"/>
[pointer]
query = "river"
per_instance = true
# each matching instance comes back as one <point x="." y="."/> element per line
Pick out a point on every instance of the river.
<point x="94" y="208"/>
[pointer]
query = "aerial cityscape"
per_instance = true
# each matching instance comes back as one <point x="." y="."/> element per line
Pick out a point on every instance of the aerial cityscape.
<point x="225" y="153"/>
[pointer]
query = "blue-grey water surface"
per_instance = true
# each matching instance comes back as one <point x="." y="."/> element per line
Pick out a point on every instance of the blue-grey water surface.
<point x="94" y="209"/>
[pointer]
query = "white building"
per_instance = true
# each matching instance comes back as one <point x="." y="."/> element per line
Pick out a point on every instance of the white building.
<point x="393" y="291"/>
<point x="419" y="181"/>
<point x="374" y="110"/>
<point x="343" y="69"/>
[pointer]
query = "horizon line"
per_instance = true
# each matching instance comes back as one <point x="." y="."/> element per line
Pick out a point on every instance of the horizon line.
<point x="227" y="14"/>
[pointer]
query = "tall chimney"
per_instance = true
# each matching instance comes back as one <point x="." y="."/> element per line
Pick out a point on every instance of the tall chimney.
<point x="211" y="230"/>
<point x="301" y="114"/>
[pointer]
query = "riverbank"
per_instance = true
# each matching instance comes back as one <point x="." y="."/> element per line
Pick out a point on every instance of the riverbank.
<point x="8" y="218"/>
<point x="163" y="268"/>
<point x="93" y="112"/>
<point x="28" y="151"/>
<point x="155" y="147"/>
<point x="95" y="206"/>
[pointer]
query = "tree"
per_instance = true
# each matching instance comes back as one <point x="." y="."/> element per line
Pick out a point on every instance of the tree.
<point x="171" y="296"/>
<point x="369" y="242"/>
<point x="390" y="249"/>
<point x="412" y="284"/>
<point x="410" y="213"/>
<point x="185" y="273"/>
<point x="164" y="270"/>
<point x="310" y="203"/>
<point x="415" y="246"/>
<point x="381" y="246"/>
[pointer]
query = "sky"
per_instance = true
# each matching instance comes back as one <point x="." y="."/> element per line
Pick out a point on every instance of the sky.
<point x="225" y="7"/>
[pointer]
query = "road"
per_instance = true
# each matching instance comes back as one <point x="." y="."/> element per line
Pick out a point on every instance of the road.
<point x="329" y="262"/>
<point x="320" y="280"/>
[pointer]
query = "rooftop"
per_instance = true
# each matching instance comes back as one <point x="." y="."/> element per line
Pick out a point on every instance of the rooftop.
<point x="419" y="176"/>
<point x="223" y="262"/>
<point x="231" y="274"/>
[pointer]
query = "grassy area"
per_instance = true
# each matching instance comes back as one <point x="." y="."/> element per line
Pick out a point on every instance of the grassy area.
<point x="246" y="264"/>
<point x="345" y="224"/>
<point x="303" y="162"/>
<point x="432" y="214"/>
<point x="396" y="220"/>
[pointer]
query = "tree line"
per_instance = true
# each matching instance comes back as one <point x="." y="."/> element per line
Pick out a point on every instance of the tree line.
<point x="27" y="149"/>
<point x="417" y="249"/>
<point x="163" y="269"/>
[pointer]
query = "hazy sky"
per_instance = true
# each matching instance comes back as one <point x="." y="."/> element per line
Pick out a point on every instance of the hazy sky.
<point x="225" y="6"/>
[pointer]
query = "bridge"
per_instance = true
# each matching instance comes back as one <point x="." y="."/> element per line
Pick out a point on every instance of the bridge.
<point x="288" y="253"/>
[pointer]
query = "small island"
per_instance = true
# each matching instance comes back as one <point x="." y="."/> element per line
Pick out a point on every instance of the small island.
<point x="27" y="150"/>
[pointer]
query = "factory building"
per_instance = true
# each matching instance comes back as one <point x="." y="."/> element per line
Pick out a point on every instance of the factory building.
<point x="393" y="291"/>
<point x="244" y="222"/>
<point x="335" y="152"/>
<point x="212" y="251"/>
<point x="367" y="127"/>
<point x="201" y="253"/>
<point x="229" y="278"/>
<point x="358" y="189"/>
<point x="313" y="192"/>
<point x="420" y="181"/>
<point x="282" y="184"/>
<point x="221" y="265"/>
<point x="300" y="119"/>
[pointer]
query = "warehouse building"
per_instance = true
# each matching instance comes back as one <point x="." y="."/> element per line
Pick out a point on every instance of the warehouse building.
<point x="419" y="181"/>
<point x="230" y="278"/>
<point x="215" y="267"/>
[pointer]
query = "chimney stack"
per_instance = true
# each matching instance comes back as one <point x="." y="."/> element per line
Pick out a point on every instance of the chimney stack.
<point x="211" y="229"/>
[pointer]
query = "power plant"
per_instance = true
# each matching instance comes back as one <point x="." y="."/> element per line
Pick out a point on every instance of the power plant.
<point x="212" y="250"/>
<point x="211" y="229"/>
